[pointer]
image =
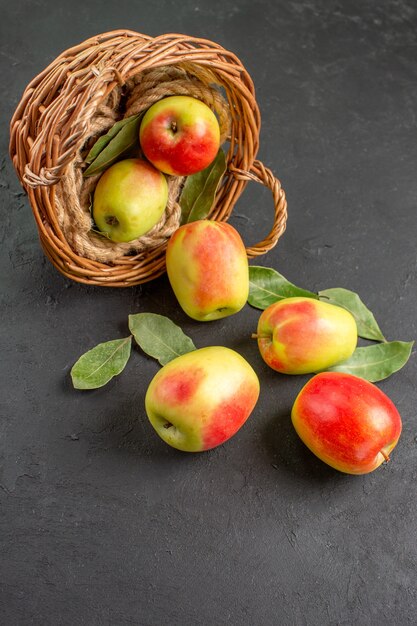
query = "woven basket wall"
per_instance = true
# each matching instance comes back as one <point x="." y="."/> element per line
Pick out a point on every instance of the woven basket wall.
<point x="79" y="95"/>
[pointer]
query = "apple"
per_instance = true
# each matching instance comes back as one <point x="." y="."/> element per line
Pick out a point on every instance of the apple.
<point x="346" y="421"/>
<point x="180" y="135"/>
<point x="129" y="199"/>
<point x="200" y="399"/>
<point x="208" y="269"/>
<point x="303" y="335"/>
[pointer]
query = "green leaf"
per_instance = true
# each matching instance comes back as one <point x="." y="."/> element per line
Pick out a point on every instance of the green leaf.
<point x="376" y="362"/>
<point x="121" y="139"/>
<point x="200" y="189"/>
<point x="159" y="337"/>
<point x="267" y="286"/>
<point x="102" y="141"/>
<point x="97" y="366"/>
<point x="349" y="300"/>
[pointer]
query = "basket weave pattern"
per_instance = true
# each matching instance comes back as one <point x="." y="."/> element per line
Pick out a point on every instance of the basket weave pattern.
<point x="79" y="96"/>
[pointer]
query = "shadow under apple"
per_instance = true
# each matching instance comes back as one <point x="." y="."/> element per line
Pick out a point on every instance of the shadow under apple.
<point x="287" y="452"/>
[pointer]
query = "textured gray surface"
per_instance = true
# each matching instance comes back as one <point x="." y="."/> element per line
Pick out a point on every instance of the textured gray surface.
<point x="101" y="523"/>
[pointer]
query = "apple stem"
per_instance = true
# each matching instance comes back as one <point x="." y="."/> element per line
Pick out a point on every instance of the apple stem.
<point x="174" y="127"/>
<point x="256" y="336"/>
<point x="385" y="455"/>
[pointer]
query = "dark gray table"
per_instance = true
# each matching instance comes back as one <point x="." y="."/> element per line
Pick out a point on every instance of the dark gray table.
<point x="101" y="522"/>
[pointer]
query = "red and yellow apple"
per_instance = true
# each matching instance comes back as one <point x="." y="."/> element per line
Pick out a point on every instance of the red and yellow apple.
<point x="129" y="199"/>
<point x="208" y="269"/>
<point x="180" y="135"/>
<point x="303" y="335"/>
<point x="346" y="421"/>
<point x="200" y="399"/>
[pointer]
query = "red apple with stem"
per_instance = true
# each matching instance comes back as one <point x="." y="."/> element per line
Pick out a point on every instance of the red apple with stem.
<point x="180" y="135"/>
<point x="346" y="421"/>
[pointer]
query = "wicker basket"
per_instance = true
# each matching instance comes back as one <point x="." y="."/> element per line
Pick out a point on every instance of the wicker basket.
<point x="53" y="124"/>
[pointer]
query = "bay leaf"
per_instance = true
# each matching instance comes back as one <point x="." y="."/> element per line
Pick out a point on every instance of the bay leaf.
<point x="267" y="286"/>
<point x="97" y="366"/>
<point x="102" y="141"/>
<point x="121" y="139"/>
<point x="159" y="337"/>
<point x="365" y="321"/>
<point x="200" y="190"/>
<point x="376" y="362"/>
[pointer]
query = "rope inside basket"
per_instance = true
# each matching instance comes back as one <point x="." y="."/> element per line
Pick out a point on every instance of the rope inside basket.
<point x="73" y="192"/>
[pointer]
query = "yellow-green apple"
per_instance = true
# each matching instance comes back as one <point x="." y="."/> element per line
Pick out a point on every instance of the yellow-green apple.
<point x="303" y="335"/>
<point x="180" y="135"/>
<point x="129" y="199"/>
<point x="208" y="269"/>
<point x="346" y="421"/>
<point x="200" y="399"/>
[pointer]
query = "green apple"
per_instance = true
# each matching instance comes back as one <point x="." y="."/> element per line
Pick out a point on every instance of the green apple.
<point x="129" y="199"/>
<point x="208" y="269"/>
<point x="180" y="135"/>
<point x="200" y="399"/>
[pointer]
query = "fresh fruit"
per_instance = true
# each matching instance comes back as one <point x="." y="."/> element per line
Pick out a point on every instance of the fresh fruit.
<point x="180" y="135"/>
<point x="200" y="399"/>
<point x="129" y="199"/>
<point x="303" y="335"/>
<point x="346" y="421"/>
<point x="208" y="269"/>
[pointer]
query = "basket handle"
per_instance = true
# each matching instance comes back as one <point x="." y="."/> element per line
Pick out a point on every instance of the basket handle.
<point x="261" y="174"/>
